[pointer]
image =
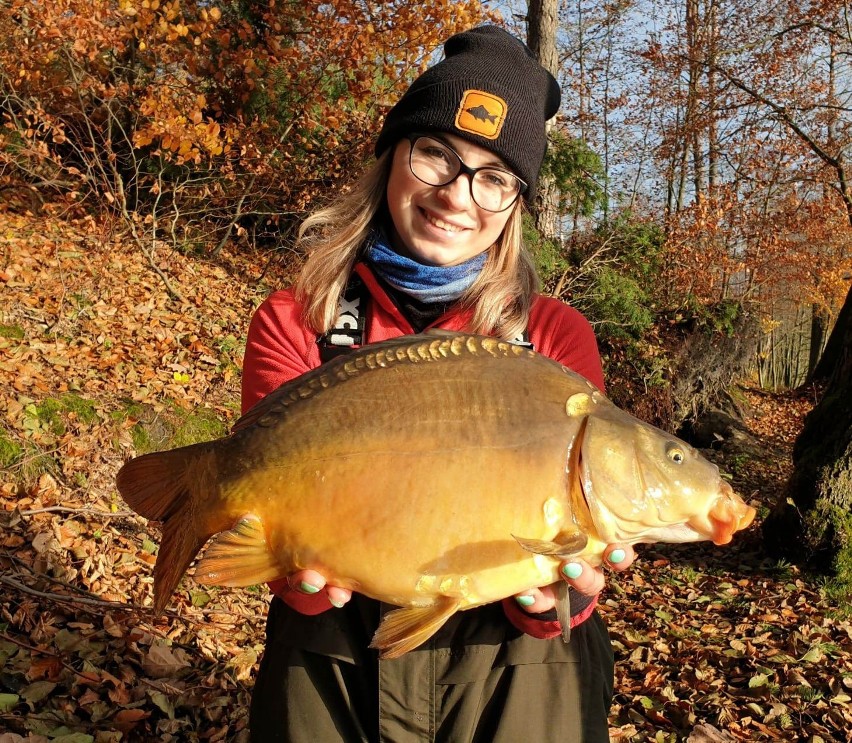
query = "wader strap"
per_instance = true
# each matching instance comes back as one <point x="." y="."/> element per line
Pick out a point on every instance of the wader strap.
<point x="348" y="330"/>
<point x="523" y="340"/>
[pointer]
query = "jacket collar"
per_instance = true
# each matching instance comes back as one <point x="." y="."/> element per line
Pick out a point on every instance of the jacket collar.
<point x="385" y="316"/>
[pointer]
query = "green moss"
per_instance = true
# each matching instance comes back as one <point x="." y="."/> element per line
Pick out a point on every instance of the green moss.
<point x="739" y="464"/>
<point x="201" y="424"/>
<point x="25" y="461"/>
<point x="12" y="331"/>
<point x="53" y="413"/>
<point x="141" y="439"/>
<point x="838" y="522"/>
<point x="231" y="350"/>
<point x="36" y="463"/>
<point x="169" y="427"/>
<point x="781" y="570"/>
<point x="10" y="451"/>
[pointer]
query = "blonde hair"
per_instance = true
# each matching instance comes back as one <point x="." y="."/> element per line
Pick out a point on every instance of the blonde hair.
<point x="335" y="236"/>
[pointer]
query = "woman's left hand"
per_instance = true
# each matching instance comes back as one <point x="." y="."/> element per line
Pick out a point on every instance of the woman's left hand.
<point x="579" y="575"/>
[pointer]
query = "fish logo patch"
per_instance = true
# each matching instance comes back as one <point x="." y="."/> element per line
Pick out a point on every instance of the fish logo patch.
<point x="481" y="113"/>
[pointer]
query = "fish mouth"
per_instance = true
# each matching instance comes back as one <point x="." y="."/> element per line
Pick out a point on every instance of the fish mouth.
<point x="728" y="515"/>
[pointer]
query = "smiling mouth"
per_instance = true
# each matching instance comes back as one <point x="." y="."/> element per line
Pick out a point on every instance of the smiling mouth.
<point x="441" y="224"/>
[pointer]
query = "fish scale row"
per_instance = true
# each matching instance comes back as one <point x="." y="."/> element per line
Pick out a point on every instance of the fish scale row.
<point x="380" y="358"/>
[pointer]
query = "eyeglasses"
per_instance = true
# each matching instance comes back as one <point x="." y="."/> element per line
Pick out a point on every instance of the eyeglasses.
<point x="437" y="164"/>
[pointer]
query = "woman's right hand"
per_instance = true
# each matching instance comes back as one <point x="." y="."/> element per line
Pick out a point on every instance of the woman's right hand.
<point x="307" y="592"/>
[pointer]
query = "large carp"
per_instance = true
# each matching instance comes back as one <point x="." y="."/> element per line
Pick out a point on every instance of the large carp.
<point x="434" y="472"/>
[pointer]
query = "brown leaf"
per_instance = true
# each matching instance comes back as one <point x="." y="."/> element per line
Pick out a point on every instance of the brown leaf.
<point x="163" y="661"/>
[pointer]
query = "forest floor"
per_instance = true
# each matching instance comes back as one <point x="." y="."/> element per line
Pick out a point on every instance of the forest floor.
<point x="97" y="361"/>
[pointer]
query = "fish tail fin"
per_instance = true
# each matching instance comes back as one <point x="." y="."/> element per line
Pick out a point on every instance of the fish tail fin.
<point x="178" y="548"/>
<point x="155" y="485"/>
<point x="166" y="486"/>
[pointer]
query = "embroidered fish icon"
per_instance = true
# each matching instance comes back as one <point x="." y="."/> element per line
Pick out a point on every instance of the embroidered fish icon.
<point x="480" y="113"/>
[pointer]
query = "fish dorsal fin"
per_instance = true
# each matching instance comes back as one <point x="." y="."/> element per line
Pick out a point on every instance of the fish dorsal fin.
<point x="239" y="557"/>
<point x="404" y="629"/>
<point x="570" y="544"/>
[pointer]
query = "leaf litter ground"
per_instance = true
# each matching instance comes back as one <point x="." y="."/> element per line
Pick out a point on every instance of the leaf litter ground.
<point x="96" y="361"/>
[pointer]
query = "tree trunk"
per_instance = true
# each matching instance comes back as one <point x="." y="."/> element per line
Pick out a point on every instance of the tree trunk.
<point x="834" y="346"/>
<point x="812" y="523"/>
<point x="819" y="322"/>
<point x="542" y="22"/>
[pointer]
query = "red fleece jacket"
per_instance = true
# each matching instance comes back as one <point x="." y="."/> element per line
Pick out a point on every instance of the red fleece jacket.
<point x="280" y="348"/>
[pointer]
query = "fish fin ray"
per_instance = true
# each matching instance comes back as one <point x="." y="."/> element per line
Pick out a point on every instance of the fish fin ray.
<point x="239" y="557"/>
<point x="570" y="545"/>
<point x="159" y="487"/>
<point x="404" y="629"/>
<point x="563" y="609"/>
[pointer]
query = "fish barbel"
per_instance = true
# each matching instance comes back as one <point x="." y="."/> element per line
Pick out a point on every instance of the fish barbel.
<point x="436" y="472"/>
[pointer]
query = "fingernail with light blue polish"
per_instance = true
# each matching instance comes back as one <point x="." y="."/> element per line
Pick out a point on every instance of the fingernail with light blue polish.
<point x="525" y="600"/>
<point x="573" y="570"/>
<point x="308" y="588"/>
<point x="617" y="556"/>
<point x="336" y="604"/>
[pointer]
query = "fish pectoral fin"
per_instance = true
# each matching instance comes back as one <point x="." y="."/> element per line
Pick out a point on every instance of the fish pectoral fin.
<point x="239" y="557"/>
<point x="404" y="629"/>
<point x="563" y="609"/>
<point x="569" y="545"/>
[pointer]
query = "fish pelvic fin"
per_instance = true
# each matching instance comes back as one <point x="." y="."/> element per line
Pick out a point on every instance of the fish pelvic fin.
<point x="164" y="486"/>
<point x="404" y="629"/>
<point x="239" y="557"/>
<point x="570" y="545"/>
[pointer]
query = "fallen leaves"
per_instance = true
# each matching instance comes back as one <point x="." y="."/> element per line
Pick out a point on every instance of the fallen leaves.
<point x="712" y="645"/>
<point x="88" y="335"/>
<point x="723" y="645"/>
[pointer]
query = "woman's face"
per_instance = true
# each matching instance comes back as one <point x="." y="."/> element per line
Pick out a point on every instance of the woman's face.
<point x="441" y="225"/>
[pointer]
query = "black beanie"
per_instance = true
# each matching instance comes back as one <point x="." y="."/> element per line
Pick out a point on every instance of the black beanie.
<point x="490" y="90"/>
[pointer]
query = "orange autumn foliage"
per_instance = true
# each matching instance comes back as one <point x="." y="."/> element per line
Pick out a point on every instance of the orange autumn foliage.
<point x="211" y="104"/>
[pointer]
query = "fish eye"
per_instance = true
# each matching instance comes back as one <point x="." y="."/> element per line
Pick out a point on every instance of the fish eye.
<point x="675" y="453"/>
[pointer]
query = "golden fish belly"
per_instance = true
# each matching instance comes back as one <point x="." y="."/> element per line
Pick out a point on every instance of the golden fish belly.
<point x="407" y="528"/>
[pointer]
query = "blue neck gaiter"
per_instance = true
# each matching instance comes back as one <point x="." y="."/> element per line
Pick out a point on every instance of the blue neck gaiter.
<point x="427" y="284"/>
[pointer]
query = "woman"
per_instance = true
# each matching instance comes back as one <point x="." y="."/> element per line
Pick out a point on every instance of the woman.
<point x="433" y="234"/>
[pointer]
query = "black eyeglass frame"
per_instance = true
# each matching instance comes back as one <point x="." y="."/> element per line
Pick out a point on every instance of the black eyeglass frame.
<point x="465" y="169"/>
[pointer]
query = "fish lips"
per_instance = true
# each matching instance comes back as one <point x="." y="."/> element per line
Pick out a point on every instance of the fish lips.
<point x="728" y="515"/>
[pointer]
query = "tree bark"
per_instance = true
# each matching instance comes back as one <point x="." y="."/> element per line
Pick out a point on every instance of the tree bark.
<point x="542" y="22"/>
<point x="834" y="346"/>
<point x="812" y="523"/>
<point x="819" y="321"/>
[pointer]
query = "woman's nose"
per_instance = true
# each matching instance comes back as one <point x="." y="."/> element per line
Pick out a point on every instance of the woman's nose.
<point x="456" y="193"/>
